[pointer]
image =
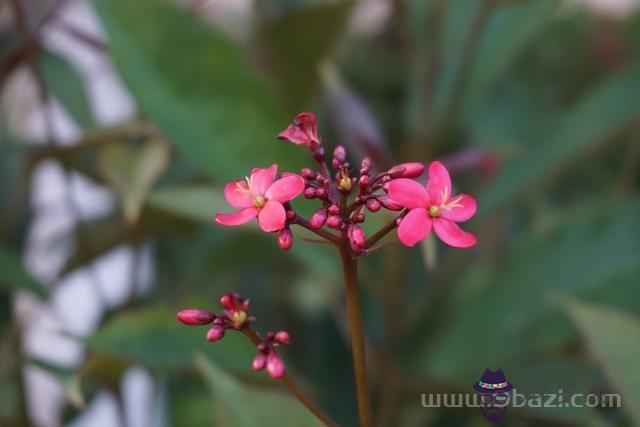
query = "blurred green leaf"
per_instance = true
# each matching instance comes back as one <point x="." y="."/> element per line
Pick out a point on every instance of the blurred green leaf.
<point x="267" y="407"/>
<point x="598" y="117"/>
<point x="132" y="171"/>
<point x="206" y="100"/>
<point x="196" y="202"/>
<point x="156" y="338"/>
<point x="614" y="338"/>
<point x="13" y="276"/>
<point x="513" y="312"/>
<point x="299" y="40"/>
<point x="63" y="80"/>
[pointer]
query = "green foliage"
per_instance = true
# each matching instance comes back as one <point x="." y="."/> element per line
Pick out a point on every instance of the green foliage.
<point x="13" y="276"/>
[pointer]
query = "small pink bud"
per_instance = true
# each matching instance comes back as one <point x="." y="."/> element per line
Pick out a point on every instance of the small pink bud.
<point x="291" y="214"/>
<point x="359" y="218"/>
<point x="310" y="193"/>
<point x="364" y="181"/>
<point x="339" y="154"/>
<point x="334" y="221"/>
<point x="196" y="317"/>
<point x="365" y="166"/>
<point x="215" y="333"/>
<point x="260" y="362"/>
<point x="411" y="169"/>
<point x="373" y="205"/>
<point x="357" y="238"/>
<point x="322" y="194"/>
<point x="334" y="210"/>
<point x="275" y="367"/>
<point x="389" y="204"/>
<point x="282" y="337"/>
<point x="308" y="173"/>
<point x="285" y="239"/>
<point x="318" y="218"/>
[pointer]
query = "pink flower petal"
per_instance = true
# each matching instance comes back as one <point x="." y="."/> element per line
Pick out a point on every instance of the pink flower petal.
<point x="408" y="193"/>
<point x="238" y="195"/>
<point x="459" y="208"/>
<point x="237" y="218"/>
<point x="453" y="235"/>
<point x="287" y="188"/>
<point x="294" y="134"/>
<point x="272" y="216"/>
<point x="261" y="179"/>
<point x="303" y="130"/>
<point x="414" y="227"/>
<point x="439" y="183"/>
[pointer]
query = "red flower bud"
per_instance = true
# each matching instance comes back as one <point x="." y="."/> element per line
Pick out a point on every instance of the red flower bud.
<point x="308" y="173"/>
<point x="389" y="204"/>
<point x="334" y="210"/>
<point x="356" y="236"/>
<point x="340" y="155"/>
<point x="260" y="362"/>
<point x="373" y="205"/>
<point x="364" y="181"/>
<point x="285" y="239"/>
<point x="322" y="194"/>
<point x="365" y="166"/>
<point x="303" y="130"/>
<point x="318" y="218"/>
<point x="282" y="337"/>
<point x="334" y="221"/>
<point x="216" y="333"/>
<point x="411" y="170"/>
<point x="310" y="193"/>
<point x="196" y="317"/>
<point x="275" y="366"/>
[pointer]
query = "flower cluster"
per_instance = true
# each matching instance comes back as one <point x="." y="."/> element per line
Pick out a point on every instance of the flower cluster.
<point x="346" y="197"/>
<point x="235" y="316"/>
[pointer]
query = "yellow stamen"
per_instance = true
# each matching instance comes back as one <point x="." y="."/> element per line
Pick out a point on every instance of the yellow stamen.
<point x="258" y="201"/>
<point x="434" y="211"/>
<point x="239" y="317"/>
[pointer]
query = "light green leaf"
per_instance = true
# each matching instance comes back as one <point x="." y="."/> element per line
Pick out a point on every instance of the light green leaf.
<point x="132" y="171"/>
<point x="156" y="338"/>
<point x="598" y="117"/>
<point x="614" y="339"/>
<point x="197" y="87"/>
<point x="199" y="203"/>
<point x="63" y="80"/>
<point x="13" y="276"/>
<point x="268" y="408"/>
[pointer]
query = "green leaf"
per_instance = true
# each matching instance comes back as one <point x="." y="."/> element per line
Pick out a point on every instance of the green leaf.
<point x="197" y="87"/>
<point x="267" y="408"/>
<point x="63" y="80"/>
<point x="132" y="171"/>
<point x="199" y="203"/>
<point x="614" y="339"/>
<point x="156" y="338"/>
<point x="13" y="276"/>
<point x="599" y="116"/>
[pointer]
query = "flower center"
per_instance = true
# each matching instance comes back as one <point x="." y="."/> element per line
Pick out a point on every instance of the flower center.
<point x="258" y="201"/>
<point x="434" y="211"/>
<point x="239" y="318"/>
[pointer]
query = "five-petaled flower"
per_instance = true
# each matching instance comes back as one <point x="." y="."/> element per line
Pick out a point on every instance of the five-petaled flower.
<point x="432" y="207"/>
<point x="261" y="195"/>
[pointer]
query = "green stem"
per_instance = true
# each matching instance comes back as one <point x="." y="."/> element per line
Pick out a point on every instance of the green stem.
<point x="356" y="333"/>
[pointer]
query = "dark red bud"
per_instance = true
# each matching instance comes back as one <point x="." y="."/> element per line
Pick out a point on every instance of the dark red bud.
<point x="310" y="193"/>
<point x="357" y="238"/>
<point x="196" y="317"/>
<point x="410" y="170"/>
<point x="389" y="204"/>
<point x="285" y="239"/>
<point x="334" y="210"/>
<point x="364" y="181"/>
<point x="339" y="154"/>
<point x="373" y="205"/>
<point x="334" y="221"/>
<point x="308" y="173"/>
<point x="282" y="337"/>
<point x="366" y="164"/>
<point x="291" y="214"/>
<point x="318" y="218"/>
<point x="359" y="218"/>
<point x="216" y="333"/>
<point x="396" y="172"/>
<point x="322" y="194"/>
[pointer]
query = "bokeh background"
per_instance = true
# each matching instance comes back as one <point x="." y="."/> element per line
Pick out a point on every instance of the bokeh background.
<point x="121" y="121"/>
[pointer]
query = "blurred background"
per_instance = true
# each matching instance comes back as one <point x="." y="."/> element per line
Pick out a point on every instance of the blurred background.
<point x="122" y="120"/>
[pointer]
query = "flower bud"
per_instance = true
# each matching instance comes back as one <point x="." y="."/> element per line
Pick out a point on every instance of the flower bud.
<point x="282" y="337"/>
<point x="364" y="181"/>
<point x="196" y="317"/>
<point x="308" y="173"/>
<point x="259" y="362"/>
<point x="318" y="218"/>
<point x="310" y="193"/>
<point x="216" y="333"/>
<point x="359" y="218"/>
<point x="389" y="204"/>
<point x="357" y="238"/>
<point x="285" y="239"/>
<point x="322" y="194"/>
<point x="275" y="366"/>
<point x="334" y="210"/>
<point x="373" y="205"/>
<point x="408" y="170"/>
<point x="340" y="155"/>
<point x="365" y="166"/>
<point x="290" y="213"/>
<point x="334" y="221"/>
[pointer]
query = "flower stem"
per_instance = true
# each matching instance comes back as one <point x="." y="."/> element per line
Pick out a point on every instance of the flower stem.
<point x="356" y="333"/>
<point x="294" y="389"/>
<point x="384" y="231"/>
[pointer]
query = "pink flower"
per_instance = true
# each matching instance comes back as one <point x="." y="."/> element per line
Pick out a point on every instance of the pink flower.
<point x="261" y="196"/>
<point x="303" y="130"/>
<point x="433" y="207"/>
